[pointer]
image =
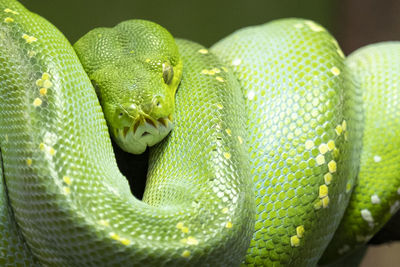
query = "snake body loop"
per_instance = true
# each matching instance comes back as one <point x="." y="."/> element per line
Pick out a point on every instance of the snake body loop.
<point x="261" y="164"/>
<point x="297" y="95"/>
<point x="69" y="199"/>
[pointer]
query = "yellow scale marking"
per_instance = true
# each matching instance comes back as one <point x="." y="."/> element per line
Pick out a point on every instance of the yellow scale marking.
<point x="220" y="79"/>
<point x="37" y="102"/>
<point x="294" y="241"/>
<point x="7" y="10"/>
<point x="47" y="84"/>
<point x="192" y="241"/>
<point x="325" y="202"/>
<point x="67" y="180"/>
<point x="205" y="71"/>
<point x="203" y="51"/>
<point x="328" y="178"/>
<point x="43" y="91"/>
<point x="323" y="148"/>
<point x="67" y="190"/>
<point x="300" y="231"/>
<point x="183" y="228"/>
<point x="323" y="191"/>
<point x="240" y="140"/>
<point x="339" y="130"/>
<point x="186" y="254"/>
<point x="332" y="166"/>
<point x="309" y="144"/>
<point x="179" y="225"/>
<point x="51" y="151"/>
<point x="29" y="39"/>
<point x="42" y="146"/>
<point x="320" y="159"/>
<point x="122" y="240"/>
<point x="8" y="20"/>
<point x="335" y="71"/>
<point x="331" y="145"/>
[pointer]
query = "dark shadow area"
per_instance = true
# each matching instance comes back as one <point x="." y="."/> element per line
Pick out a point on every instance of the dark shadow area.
<point x="389" y="233"/>
<point x="362" y="22"/>
<point x="134" y="167"/>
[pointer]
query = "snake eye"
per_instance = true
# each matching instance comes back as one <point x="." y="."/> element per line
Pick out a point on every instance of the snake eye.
<point x="168" y="73"/>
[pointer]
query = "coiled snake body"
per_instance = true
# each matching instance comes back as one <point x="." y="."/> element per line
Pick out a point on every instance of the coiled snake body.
<point x="271" y="123"/>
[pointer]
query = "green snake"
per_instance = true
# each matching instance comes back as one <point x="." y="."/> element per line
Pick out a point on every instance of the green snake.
<point x="274" y="134"/>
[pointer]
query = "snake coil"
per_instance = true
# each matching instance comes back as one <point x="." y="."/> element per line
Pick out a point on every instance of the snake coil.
<point x="275" y="133"/>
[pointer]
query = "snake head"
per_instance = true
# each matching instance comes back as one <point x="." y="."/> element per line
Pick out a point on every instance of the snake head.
<point x="137" y="102"/>
<point x="135" y="68"/>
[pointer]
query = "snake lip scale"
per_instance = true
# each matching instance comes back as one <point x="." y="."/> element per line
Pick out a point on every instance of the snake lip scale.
<point x="144" y="130"/>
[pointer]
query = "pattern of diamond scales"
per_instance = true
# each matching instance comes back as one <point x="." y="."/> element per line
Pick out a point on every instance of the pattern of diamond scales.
<point x="376" y="197"/>
<point x="301" y="135"/>
<point x="73" y="206"/>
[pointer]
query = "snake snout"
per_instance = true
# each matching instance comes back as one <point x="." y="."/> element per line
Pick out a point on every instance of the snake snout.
<point x="137" y="129"/>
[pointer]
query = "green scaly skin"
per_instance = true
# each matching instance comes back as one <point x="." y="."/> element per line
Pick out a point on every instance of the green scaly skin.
<point x="375" y="199"/>
<point x="298" y="94"/>
<point x="287" y="80"/>
<point x="73" y="206"/>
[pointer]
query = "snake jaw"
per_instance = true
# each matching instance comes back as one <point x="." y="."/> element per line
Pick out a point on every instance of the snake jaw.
<point x="144" y="132"/>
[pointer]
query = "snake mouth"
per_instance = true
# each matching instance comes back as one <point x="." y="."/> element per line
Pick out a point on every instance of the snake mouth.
<point x="144" y="132"/>
<point x="148" y="123"/>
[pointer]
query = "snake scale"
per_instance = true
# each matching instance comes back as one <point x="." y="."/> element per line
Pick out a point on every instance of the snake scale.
<point x="275" y="133"/>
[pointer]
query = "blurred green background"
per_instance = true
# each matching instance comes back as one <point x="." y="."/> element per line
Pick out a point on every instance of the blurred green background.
<point x="354" y="23"/>
<point x="203" y="21"/>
